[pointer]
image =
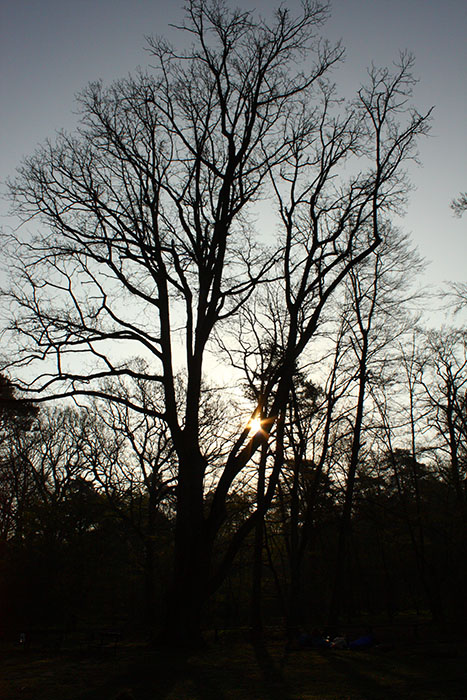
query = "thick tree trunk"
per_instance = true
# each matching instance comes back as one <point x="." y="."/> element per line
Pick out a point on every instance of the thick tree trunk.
<point x="183" y="616"/>
<point x="192" y="559"/>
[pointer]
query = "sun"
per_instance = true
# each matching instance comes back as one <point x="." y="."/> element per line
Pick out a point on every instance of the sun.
<point x="255" y="426"/>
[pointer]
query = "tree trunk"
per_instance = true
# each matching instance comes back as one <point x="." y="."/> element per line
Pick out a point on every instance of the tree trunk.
<point x="294" y="557"/>
<point x="192" y="559"/>
<point x="342" y="568"/>
<point x="150" y="560"/>
<point x="256" y="612"/>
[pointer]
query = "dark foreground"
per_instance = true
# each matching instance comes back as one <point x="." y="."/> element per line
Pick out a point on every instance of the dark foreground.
<point x="229" y="669"/>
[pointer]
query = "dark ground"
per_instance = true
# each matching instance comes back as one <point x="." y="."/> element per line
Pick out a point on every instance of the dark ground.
<point x="419" y="669"/>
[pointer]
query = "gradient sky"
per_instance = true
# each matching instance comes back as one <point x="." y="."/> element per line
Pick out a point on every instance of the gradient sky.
<point x="50" y="49"/>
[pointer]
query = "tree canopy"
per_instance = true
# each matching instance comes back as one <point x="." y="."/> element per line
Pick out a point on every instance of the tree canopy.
<point x="144" y="242"/>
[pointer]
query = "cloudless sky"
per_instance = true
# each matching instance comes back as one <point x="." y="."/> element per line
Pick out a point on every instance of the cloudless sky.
<point x="50" y="49"/>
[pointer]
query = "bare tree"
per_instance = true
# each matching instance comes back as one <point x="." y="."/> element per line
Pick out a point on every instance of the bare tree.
<point x="16" y="482"/>
<point x="130" y="457"/>
<point x="456" y="295"/>
<point x="42" y="466"/>
<point x="376" y="292"/>
<point x="402" y="422"/>
<point x="459" y="205"/>
<point x="147" y="247"/>
<point x="444" y="377"/>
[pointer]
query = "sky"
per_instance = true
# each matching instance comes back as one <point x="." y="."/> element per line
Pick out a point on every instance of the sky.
<point x="50" y="49"/>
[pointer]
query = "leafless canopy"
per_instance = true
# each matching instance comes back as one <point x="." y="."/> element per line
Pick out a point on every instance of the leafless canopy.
<point x="142" y="242"/>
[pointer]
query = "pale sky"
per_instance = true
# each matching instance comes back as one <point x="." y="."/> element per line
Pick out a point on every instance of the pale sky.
<point x="50" y="49"/>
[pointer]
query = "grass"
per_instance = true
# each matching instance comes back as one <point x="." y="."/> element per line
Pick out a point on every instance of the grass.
<point x="234" y="670"/>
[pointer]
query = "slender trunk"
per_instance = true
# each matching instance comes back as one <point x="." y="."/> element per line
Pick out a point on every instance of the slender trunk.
<point x="454" y="463"/>
<point x="428" y="575"/>
<point x="294" y="557"/>
<point x="150" y="559"/>
<point x="256" y="612"/>
<point x="428" y="581"/>
<point x="388" y="582"/>
<point x="149" y="575"/>
<point x="341" y="569"/>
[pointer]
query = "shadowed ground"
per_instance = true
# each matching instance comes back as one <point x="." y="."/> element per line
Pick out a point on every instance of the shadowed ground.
<point x="228" y="670"/>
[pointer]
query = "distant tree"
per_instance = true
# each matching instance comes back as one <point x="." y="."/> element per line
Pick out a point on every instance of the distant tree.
<point x="130" y="458"/>
<point x="445" y="382"/>
<point x="146" y="242"/>
<point x="416" y="409"/>
<point x="14" y="409"/>
<point x="373" y="312"/>
<point x="51" y="459"/>
<point x="459" y="205"/>
<point x="16" y="417"/>
<point x="49" y="514"/>
<point x="458" y="290"/>
<point x="300" y="482"/>
<point x="456" y="296"/>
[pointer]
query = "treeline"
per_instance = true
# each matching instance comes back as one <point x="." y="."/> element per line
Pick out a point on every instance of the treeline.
<point x="368" y="519"/>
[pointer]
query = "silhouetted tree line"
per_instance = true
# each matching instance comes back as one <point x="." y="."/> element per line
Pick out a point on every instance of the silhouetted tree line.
<point x="87" y="505"/>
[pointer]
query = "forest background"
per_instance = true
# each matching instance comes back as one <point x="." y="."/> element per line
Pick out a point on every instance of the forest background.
<point x="324" y="477"/>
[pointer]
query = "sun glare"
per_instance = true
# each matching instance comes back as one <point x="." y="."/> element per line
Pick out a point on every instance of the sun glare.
<point x="255" y="426"/>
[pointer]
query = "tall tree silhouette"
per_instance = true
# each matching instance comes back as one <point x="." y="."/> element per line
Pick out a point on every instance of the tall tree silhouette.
<point x="146" y="245"/>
